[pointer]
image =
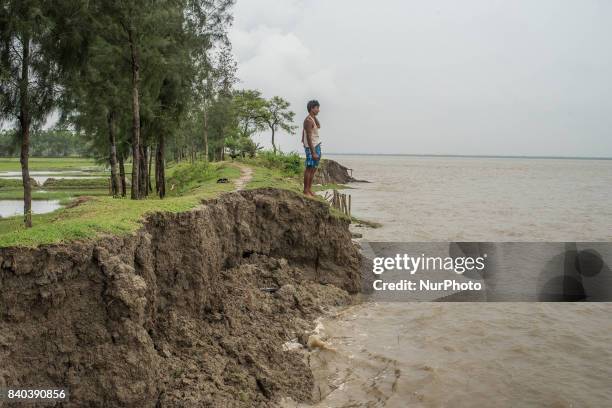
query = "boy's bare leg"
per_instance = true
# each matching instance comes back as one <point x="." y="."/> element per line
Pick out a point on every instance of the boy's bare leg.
<point x="313" y="170"/>
<point x="306" y="173"/>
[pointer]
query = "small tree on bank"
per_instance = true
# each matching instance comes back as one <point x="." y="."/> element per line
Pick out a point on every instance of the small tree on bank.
<point x="278" y="116"/>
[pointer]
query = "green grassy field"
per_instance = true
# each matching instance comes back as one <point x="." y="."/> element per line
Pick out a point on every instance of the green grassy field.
<point x="101" y="213"/>
<point x="55" y="188"/>
<point x="50" y="164"/>
<point x="98" y="213"/>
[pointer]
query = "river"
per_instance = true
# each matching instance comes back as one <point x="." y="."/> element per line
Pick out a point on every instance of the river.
<point x="424" y="354"/>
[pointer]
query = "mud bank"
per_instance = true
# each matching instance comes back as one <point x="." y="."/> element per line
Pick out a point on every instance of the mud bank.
<point x="175" y="314"/>
<point x="332" y="172"/>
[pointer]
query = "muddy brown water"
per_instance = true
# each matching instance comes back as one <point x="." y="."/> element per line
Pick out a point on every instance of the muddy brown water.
<point x="473" y="354"/>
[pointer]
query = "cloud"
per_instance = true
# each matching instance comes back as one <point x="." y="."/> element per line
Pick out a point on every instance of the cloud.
<point x="476" y="77"/>
<point x="278" y="62"/>
<point x="284" y="14"/>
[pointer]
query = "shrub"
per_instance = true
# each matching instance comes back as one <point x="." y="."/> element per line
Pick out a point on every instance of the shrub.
<point x="289" y="163"/>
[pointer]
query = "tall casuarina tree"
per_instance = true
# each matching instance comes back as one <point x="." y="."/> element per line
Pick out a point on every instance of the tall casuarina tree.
<point x="28" y="76"/>
<point x="129" y="27"/>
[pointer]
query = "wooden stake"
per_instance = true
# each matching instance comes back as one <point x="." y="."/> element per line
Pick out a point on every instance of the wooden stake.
<point x="349" y="205"/>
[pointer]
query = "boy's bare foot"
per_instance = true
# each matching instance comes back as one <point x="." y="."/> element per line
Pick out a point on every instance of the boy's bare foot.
<point x="310" y="193"/>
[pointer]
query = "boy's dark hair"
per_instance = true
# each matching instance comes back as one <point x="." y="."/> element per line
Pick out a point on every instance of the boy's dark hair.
<point x="312" y="104"/>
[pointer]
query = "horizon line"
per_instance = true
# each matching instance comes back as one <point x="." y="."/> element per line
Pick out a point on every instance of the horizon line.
<point x="486" y="156"/>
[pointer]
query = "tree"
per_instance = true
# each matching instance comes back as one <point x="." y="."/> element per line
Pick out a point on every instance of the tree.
<point x="28" y="75"/>
<point x="134" y="30"/>
<point x="278" y="116"/>
<point x="222" y="122"/>
<point x="215" y="78"/>
<point x="165" y="43"/>
<point x="250" y="110"/>
<point x="94" y="98"/>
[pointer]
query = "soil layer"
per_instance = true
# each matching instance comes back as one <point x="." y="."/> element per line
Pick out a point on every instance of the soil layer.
<point x="192" y="310"/>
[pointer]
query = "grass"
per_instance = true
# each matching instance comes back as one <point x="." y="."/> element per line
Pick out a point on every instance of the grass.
<point x="266" y="177"/>
<point x="7" y="184"/>
<point x="80" y="183"/>
<point x="187" y="185"/>
<point x="65" y="195"/>
<point x="281" y="170"/>
<point x="186" y="176"/>
<point x="107" y="215"/>
<point x="50" y="164"/>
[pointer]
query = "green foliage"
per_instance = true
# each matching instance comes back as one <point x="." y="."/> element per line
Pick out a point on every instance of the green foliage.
<point x="278" y="116"/>
<point x="9" y="142"/>
<point x="240" y="145"/>
<point x="130" y="76"/>
<point x="28" y="64"/>
<point x="44" y="143"/>
<point x="250" y="110"/>
<point x="288" y="163"/>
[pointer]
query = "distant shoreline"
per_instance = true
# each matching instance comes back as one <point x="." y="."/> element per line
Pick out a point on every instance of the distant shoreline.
<point x="472" y="156"/>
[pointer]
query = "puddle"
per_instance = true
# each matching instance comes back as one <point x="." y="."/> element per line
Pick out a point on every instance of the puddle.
<point x="10" y="208"/>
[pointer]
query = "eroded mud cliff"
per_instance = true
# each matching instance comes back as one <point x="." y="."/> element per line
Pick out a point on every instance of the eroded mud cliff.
<point x="332" y="172"/>
<point x="191" y="310"/>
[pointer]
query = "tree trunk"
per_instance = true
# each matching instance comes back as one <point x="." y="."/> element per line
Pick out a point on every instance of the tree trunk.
<point x="160" y="171"/>
<point x="24" y="123"/>
<point x="122" y="176"/>
<point x="205" y="133"/>
<point x="150" y="190"/>
<point x="273" y="144"/>
<point x="116" y="183"/>
<point x="143" y="184"/>
<point x="156" y="172"/>
<point x="136" y="190"/>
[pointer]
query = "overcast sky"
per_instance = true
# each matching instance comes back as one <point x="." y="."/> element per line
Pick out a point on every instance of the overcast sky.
<point x="514" y="77"/>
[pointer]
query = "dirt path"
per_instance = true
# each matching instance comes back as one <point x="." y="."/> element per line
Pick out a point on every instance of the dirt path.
<point x="246" y="174"/>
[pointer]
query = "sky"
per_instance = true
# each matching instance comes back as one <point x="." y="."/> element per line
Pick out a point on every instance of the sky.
<point x="475" y="77"/>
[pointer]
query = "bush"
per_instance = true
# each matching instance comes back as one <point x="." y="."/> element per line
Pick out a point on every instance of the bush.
<point x="289" y="163"/>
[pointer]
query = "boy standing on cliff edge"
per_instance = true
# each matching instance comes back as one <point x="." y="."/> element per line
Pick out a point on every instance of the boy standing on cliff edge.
<point x="312" y="145"/>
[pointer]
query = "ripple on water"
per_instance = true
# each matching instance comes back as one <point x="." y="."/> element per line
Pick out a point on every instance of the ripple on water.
<point x="469" y="355"/>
